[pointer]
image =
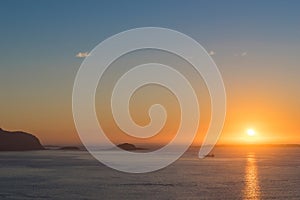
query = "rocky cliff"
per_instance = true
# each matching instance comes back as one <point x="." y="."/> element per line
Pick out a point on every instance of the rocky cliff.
<point x="18" y="141"/>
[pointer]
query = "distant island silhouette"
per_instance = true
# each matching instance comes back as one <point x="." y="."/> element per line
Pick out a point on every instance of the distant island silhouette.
<point x="70" y="148"/>
<point x="18" y="141"/>
<point x="129" y="147"/>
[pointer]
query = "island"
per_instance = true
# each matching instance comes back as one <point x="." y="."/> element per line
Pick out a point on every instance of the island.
<point x="70" y="148"/>
<point x="129" y="147"/>
<point x="18" y="141"/>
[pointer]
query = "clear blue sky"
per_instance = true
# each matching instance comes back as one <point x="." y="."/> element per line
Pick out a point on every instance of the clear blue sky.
<point x="252" y="40"/>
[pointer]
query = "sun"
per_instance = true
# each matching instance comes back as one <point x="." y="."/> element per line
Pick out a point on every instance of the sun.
<point x="250" y="132"/>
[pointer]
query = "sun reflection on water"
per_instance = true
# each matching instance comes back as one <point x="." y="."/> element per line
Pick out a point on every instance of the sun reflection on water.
<point x="252" y="189"/>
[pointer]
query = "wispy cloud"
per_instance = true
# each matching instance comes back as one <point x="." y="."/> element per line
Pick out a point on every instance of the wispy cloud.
<point x="211" y="53"/>
<point x="82" y="54"/>
<point x="241" y="54"/>
<point x="244" y="53"/>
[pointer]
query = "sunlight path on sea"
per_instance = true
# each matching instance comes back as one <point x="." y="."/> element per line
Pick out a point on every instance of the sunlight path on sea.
<point x="252" y="188"/>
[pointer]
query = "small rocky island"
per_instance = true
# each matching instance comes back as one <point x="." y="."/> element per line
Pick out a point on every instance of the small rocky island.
<point x="129" y="147"/>
<point x="18" y="141"/>
<point x="70" y="148"/>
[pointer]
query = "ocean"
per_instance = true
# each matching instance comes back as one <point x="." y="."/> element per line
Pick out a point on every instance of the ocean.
<point x="234" y="173"/>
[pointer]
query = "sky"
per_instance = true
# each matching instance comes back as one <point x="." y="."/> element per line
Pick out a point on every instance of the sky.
<point x="255" y="44"/>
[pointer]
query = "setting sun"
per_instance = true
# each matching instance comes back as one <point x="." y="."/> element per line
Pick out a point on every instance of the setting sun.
<point x="250" y="132"/>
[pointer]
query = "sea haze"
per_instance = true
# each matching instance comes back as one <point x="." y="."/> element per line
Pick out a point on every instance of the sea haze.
<point x="234" y="173"/>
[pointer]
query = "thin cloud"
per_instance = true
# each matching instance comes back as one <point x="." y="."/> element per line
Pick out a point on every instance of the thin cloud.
<point x="82" y="55"/>
<point x="241" y="54"/>
<point x="211" y="53"/>
<point x="244" y="53"/>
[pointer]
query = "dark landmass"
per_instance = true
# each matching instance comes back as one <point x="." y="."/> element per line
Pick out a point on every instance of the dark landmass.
<point x="18" y="141"/>
<point x="129" y="147"/>
<point x="52" y="147"/>
<point x="70" y="148"/>
<point x="210" y="156"/>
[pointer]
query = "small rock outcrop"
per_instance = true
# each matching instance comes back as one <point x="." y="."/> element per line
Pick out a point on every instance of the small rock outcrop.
<point x="18" y="141"/>
<point x="129" y="147"/>
<point x="70" y="148"/>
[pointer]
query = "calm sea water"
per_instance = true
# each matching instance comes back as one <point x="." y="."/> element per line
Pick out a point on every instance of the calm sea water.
<point x="235" y="173"/>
